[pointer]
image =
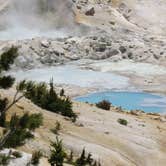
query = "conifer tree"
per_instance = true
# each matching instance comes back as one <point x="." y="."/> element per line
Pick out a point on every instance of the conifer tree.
<point x="81" y="161"/>
<point x="57" y="153"/>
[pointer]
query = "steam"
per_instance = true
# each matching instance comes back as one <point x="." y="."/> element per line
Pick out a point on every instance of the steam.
<point x="31" y="18"/>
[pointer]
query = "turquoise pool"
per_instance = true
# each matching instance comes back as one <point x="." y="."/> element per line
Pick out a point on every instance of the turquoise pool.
<point x="129" y="100"/>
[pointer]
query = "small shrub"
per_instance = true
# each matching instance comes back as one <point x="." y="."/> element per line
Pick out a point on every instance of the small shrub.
<point x="123" y="122"/>
<point x="36" y="156"/>
<point x="104" y="105"/>
<point x="62" y="92"/>
<point x="58" y="153"/>
<point x="70" y="158"/>
<point x="4" y="159"/>
<point x="57" y="128"/>
<point x="85" y="160"/>
<point x="81" y="161"/>
<point x="17" y="154"/>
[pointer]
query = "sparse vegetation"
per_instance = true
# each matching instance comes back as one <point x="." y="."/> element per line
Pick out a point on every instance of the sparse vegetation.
<point x="85" y="160"/>
<point x="70" y="158"/>
<point x="58" y="156"/>
<point x="62" y="92"/>
<point x="4" y="159"/>
<point x="58" y="153"/>
<point x="36" y="157"/>
<point x="18" y="130"/>
<point x="32" y="121"/>
<point x="106" y="105"/>
<point x="17" y="154"/>
<point x="47" y="98"/>
<point x="123" y="122"/>
<point x="57" y="128"/>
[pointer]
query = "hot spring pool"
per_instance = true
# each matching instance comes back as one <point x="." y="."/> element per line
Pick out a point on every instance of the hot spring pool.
<point x="129" y="100"/>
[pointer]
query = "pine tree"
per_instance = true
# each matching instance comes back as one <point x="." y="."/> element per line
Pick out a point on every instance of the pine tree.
<point x="62" y="92"/>
<point x="57" y="153"/>
<point x="81" y="161"/>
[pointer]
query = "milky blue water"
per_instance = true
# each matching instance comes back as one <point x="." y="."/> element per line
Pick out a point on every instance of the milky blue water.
<point x="129" y="100"/>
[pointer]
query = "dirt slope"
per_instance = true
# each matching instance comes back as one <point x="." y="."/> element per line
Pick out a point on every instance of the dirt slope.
<point x="142" y="142"/>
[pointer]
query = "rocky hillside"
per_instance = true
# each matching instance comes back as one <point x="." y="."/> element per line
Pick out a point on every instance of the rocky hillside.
<point x="113" y="30"/>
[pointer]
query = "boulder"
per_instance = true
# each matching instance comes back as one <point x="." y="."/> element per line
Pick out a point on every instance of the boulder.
<point x="90" y="12"/>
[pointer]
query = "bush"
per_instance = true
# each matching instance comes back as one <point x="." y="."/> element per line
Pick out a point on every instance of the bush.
<point x="123" y="122"/>
<point x="17" y="154"/>
<point x="62" y="92"/>
<point x="36" y="157"/>
<point x="57" y="128"/>
<point x="4" y="159"/>
<point x="70" y="158"/>
<point x="81" y="161"/>
<point x="104" y="105"/>
<point x="85" y="160"/>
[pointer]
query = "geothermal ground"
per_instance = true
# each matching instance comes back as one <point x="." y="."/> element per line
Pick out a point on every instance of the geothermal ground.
<point x="90" y="46"/>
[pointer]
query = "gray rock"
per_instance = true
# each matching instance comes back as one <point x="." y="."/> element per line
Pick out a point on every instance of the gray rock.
<point x="122" y="49"/>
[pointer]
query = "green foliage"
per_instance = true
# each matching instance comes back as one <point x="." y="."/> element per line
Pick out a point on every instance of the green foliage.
<point x="6" y="82"/>
<point x="89" y="159"/>
<point x="62" y="92"/>
<point x="17" y="138"/>
<point x="17" y="154"/>
<point x="47" y="98"/>
<point x="36" y="157"/>
<point x="3" y="104"/>
<point x="20" y="129"/>
<point x="7" y="58"/>
<point x="85" y="160"/>
<point x="32" y="121"/>
<point x="104" y="105"/>
<point x="58" y="156"/>
<point x="70" y="158"/>
<point x="14" y="122"/>
<point x="57" y="153"/>
<point x="4" y="159"/>
<point x="123" y="122"/>
<point x="57" y="128"/>
<point x="81" y="161"/>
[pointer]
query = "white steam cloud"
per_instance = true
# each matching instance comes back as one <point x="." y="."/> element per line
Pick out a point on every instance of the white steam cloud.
<point x="30" y="18"/>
